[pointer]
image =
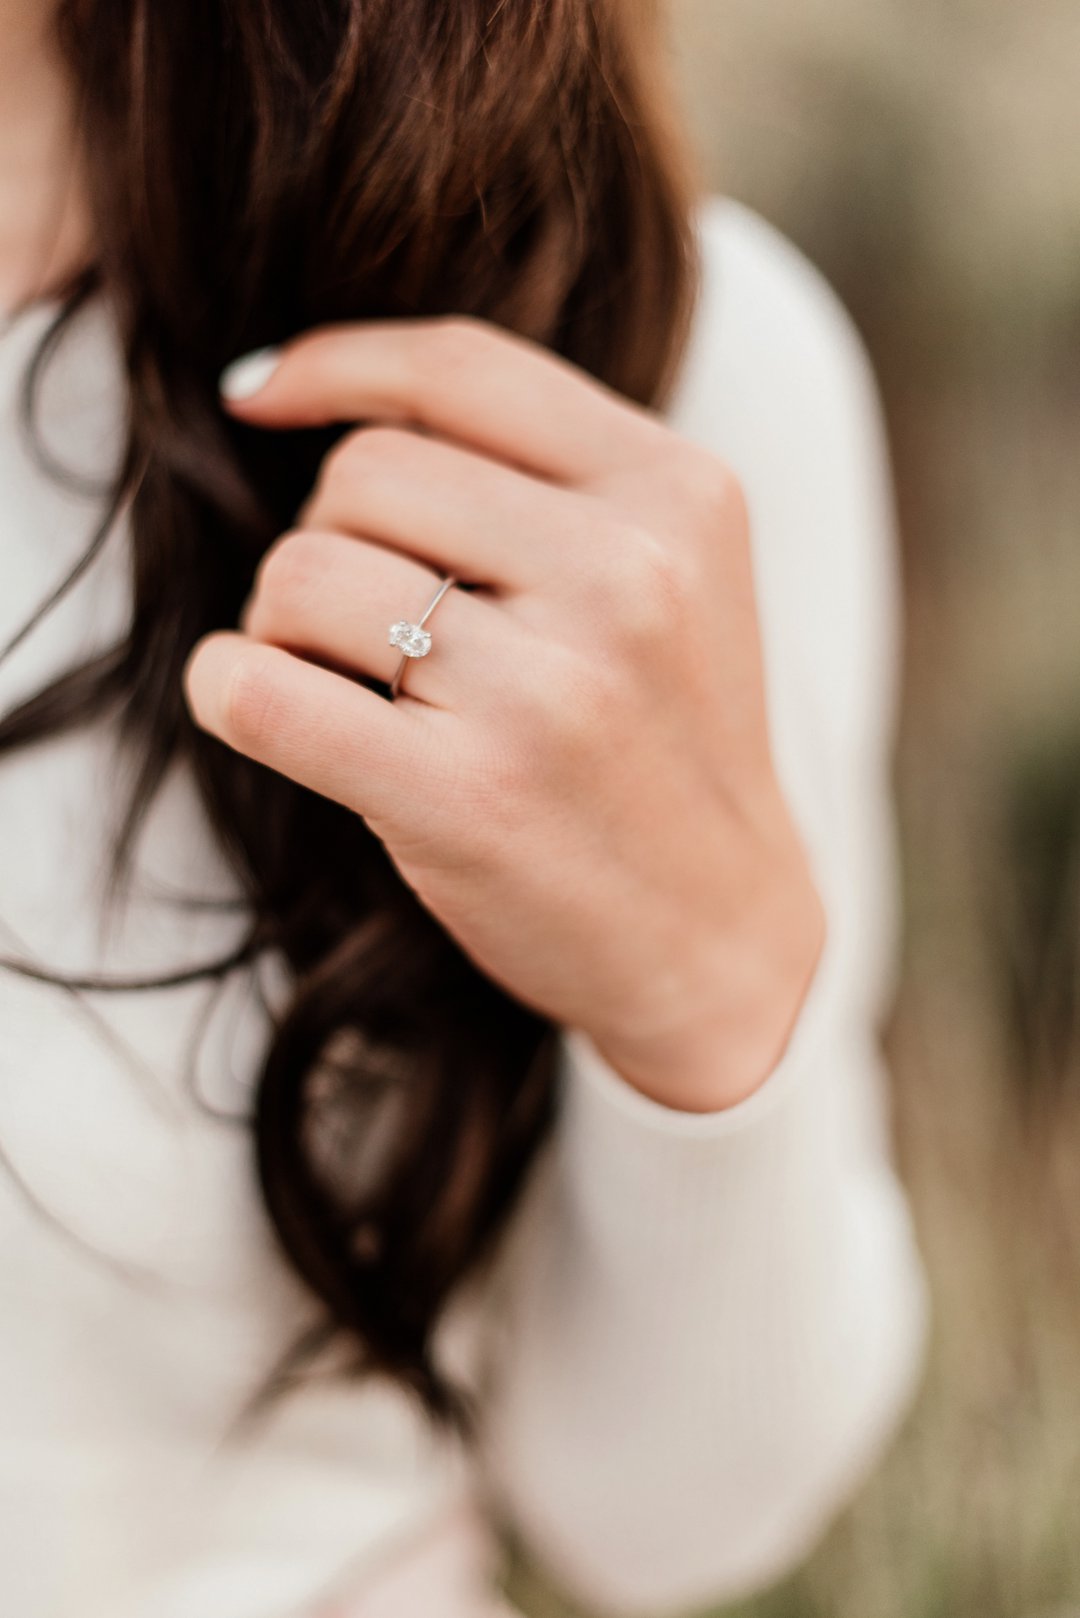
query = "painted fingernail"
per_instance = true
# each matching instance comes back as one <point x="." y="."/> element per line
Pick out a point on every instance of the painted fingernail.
<point x="251" y="372"/>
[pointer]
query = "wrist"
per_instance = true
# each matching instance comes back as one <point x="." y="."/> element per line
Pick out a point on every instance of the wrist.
<point x="755" y="987"/>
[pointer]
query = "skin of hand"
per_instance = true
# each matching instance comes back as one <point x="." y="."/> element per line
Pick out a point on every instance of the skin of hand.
<point x="577" y="780"/>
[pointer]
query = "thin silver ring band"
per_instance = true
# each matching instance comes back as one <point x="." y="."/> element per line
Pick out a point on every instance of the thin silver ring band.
<point x="418" y="623"/>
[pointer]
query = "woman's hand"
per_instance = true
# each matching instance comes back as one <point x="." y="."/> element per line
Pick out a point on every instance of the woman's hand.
<point x="577" y="779"/>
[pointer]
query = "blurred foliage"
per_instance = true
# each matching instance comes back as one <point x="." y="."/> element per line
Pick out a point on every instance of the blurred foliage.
<point x="926" y="153"/>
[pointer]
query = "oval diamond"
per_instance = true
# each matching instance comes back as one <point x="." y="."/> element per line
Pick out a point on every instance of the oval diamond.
<point x="410" y="639"/>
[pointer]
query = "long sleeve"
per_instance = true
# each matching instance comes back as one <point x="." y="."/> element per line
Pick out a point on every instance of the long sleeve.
<point x="710" y="1325"/>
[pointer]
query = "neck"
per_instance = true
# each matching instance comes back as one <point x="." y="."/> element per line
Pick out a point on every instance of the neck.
<point x="43" y="226"/>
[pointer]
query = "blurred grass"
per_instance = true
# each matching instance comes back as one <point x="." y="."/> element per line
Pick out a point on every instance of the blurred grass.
<point x="925" y="153"/>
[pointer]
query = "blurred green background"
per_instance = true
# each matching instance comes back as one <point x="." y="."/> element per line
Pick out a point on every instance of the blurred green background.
<point x="926" y="153"/>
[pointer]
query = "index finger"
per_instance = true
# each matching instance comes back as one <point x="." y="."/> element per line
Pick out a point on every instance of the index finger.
<point x="463" y="379"/>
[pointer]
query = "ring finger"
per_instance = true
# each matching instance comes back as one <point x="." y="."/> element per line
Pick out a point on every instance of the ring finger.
<point x="333" y="597"/>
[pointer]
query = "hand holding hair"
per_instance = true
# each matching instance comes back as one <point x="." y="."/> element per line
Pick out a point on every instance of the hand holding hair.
<point x="576" y="776"/>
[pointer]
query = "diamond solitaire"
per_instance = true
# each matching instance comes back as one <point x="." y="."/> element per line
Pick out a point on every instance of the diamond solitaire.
<point x="413" y="640"/>
<point x="410" y="639"/>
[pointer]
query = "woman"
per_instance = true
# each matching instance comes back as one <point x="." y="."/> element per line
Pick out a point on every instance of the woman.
<point x="450" y="752"/>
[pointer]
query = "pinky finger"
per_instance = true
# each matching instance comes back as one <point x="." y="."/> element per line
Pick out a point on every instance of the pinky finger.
<point x="320" y="729"/>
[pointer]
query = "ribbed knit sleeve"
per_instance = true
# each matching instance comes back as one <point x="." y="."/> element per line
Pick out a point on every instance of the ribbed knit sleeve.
<point x="710" y="1324"/>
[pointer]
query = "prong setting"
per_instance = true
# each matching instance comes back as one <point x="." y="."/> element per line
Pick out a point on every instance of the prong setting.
<point x="410" y="639"/>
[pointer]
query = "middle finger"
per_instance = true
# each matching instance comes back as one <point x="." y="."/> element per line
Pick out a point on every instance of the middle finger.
<point x="459" y="511"/>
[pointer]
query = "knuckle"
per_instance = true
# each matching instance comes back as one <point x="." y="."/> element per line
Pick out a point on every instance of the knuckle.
<point x="457" y="341"/>
<point x="334" y="463"/>
<point x="340" y="460"/>
<point x="365" y="458"/>
<point x="650" y="588"/>
<point x="288" y="565"/>
<point x="319" y="349"/>
<point x="732" y="500"/>
<point x="377" y="446"/>
<point x="716" y="488"/>
<point x="252" y="702"/>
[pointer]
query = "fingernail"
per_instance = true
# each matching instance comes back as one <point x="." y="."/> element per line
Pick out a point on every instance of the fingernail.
<point x="245" y="376"/>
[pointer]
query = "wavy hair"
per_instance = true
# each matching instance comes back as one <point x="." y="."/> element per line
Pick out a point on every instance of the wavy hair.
<point x="258" y="167"/>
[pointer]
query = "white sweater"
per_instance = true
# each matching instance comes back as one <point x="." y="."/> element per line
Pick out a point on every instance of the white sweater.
<point x="700" y="1330"/>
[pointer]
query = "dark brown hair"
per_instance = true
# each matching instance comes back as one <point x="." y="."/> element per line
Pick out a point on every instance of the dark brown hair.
<point x="258" y="167"/>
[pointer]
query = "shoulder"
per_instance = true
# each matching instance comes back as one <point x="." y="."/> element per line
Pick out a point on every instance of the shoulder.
<point x="776" y="380"/>
<point x="768" y="326"/>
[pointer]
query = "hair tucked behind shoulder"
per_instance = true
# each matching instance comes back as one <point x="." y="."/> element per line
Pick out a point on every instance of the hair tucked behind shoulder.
<point x="259" y="167"/>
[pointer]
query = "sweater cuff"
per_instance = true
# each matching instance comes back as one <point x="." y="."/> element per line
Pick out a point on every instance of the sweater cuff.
<point x="590" y="1082"/>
